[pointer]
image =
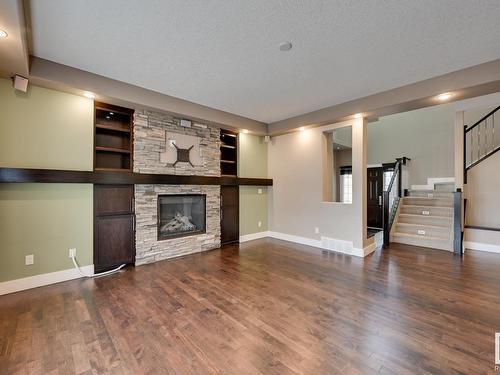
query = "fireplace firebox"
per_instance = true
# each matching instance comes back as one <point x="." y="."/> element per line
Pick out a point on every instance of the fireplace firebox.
<point x="181" y="215"/>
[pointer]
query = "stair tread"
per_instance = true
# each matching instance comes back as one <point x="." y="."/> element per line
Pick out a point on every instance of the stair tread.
<point x="431" y="216"/>
<point x="422" y="236"/>
<point x="423" y="225"/>
<point x="432" y="191"/>
<point x="422" y="206"/>
<point x="427" y="198"/>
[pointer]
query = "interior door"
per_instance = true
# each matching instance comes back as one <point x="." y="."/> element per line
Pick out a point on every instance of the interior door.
<point x="230" y="223"/>
<point x="375" y="191"/>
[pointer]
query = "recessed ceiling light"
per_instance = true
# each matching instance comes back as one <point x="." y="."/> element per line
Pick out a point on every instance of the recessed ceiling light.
<point x="302" y="128"/>
<point x="286" y="46"/>
<point x="3" y="34"/>
<point x="89" y="94"/>
<point x="444" y="96"/>
<point x="245" y="131"/>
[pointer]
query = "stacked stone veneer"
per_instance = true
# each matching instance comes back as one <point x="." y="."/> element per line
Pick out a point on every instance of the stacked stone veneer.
<point x="148" y="248"/>
<point x="149" y="143"/>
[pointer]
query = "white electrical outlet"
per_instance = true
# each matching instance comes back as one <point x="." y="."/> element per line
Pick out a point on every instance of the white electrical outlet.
<point x="72" y="253"/>
<point x="316" y="230"/>
<point x="259" y="224"/>
<point x="421" y="232"/>
<point x="426" y="213"/>
<point x="30" y="259"/>
<point x="430" y="195"/>
<point x="259" y="191"/>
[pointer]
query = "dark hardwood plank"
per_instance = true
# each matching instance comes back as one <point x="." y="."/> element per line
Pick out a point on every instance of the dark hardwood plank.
<point x="264" y="307"/>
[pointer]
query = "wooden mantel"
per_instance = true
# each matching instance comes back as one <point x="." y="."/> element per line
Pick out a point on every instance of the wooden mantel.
<point x="26" y="175"/>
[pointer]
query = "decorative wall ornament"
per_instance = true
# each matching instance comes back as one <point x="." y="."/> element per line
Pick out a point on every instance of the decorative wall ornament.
<point x="183" y="155"/>
<point x="181" y="148"/>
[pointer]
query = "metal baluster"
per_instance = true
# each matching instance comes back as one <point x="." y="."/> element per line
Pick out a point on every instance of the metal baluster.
<point x="493" y="129"/>
<point x="470" y="137"/>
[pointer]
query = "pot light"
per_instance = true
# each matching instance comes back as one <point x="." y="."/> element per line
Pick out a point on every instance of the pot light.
<point x="89" y="94"/>
<point x="286" y="46"/>
<point x="245" y="131"/>
<point x="302" y="128"/>
<point x="444" y="96"/>
<point x="3" y="34"/>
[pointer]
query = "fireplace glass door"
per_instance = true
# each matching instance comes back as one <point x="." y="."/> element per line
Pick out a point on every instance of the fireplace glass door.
<point x="181" y="215"/>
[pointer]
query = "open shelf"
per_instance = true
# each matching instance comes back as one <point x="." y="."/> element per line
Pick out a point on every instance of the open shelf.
<point x="112" y="128"/>
<point x="113" y="138"/>
<point x="228" y="153"/>
<point x="112" y="149"/>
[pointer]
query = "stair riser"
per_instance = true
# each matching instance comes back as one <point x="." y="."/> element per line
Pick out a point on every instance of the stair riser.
<point x="435" y="194"/>
<point x="435" y="244"/>
<point x="428" y="202"/>
<point x="433" y="211"/>
<point x="443" y="233"/>
<point x="425" y="220"/>
<point x="447" y="186"/>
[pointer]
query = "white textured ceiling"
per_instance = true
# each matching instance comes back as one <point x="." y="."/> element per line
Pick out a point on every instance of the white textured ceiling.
<point x="224" y="54"/>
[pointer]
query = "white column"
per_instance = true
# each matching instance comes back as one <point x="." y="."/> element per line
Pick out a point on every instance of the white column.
<point x="459" y="149"/>
<point x="359" y="179"/>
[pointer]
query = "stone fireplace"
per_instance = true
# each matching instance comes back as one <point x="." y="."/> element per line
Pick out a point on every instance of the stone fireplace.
<point x="181" y="215"/>
<point x="175" y="220"/>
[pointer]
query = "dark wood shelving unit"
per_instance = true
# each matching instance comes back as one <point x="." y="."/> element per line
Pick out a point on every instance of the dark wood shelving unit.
<point x="229" y="199"/>
<point x="113" y="143"/>
<point x="228" y="153"/>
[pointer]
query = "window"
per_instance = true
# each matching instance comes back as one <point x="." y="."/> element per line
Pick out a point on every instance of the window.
<point x="347" y="188"/>
<point x="387" y="179"/>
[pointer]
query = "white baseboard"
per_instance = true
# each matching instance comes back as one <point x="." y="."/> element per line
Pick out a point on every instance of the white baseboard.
<point x="432" y="182"/>
<point x="254" y="236"/>
<point x="296" y="239"/>
<point x="348" y="249"/>
<point x="36" y="281"/>
<point x="490" y="248"/>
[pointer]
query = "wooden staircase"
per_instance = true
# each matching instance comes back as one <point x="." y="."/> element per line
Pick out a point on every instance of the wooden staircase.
<point x="425" y="218"/>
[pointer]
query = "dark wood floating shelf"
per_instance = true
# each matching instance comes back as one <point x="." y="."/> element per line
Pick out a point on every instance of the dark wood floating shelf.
<point x="112" y="149"/>
<point x="113" y="128"/>
<point x="108" y="176"/>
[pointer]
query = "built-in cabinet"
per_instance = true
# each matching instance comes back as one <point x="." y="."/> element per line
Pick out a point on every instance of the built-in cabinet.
<point x="114" y="226"/>
<point x="229" y="195"/>
<point x="229" y="214"/>
<point x="113" y="141"/>
<point x="114" y="213"/>
<point x="228" y="153"/>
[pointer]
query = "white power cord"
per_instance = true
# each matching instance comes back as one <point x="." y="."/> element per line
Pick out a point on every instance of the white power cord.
<point x="73" y="258"/>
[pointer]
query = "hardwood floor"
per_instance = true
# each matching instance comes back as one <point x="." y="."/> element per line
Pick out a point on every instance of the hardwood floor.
<point x="266" y="306"/>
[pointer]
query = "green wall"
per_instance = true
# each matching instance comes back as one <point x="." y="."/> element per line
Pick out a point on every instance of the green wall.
<point x="44" y="129"/>
<point x="252" y="162"/>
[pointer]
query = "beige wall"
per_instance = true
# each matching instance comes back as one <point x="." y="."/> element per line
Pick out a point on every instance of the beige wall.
<point x="44" y="129"/>
<point x="44" y="220"/>
<point x="296" y="207"/>
<point x="252" y="162"/>
<point x="424" y="135"/>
